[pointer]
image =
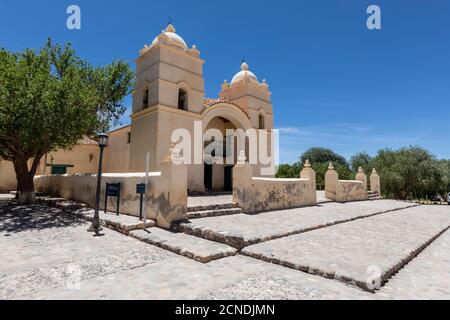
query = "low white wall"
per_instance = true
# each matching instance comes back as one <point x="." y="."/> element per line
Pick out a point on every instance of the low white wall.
<point x="345" y="190"/>
<point x="350" y="190"/>
<point x="262" y="194"/>
<point x="167" y="194"/>
<point x="8" y="181"/>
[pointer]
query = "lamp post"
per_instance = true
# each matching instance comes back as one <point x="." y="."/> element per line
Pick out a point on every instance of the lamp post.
<point x="102" y="143"/>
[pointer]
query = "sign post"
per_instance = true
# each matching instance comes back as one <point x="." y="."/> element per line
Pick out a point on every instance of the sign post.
<point x="112" y="190"/>
<point x="140" y="189"/>
<point x="147" y="168"/>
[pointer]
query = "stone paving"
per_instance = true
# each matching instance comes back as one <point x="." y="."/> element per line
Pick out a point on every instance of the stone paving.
<point x="427" y="276"/>
<point x="192" y="247"/>
<point x="203" y="201"/>
<point x="230" y="278"/>
<point x="121" y="223"/>
<point x="41" y="247"/>
<point x="359" y="251"/>
<point x="47" y="253"/>
<point x="242" y="230"/>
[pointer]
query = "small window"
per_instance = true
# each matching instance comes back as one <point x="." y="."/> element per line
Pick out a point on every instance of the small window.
<point x="145" y="99"/>
<point x="261" y="121"/>
<point x="129" y="137"/>
<point x="59" y="169"/>
<point x="182" y="100"/>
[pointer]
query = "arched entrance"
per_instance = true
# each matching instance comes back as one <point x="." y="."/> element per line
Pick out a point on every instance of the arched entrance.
<point x="220" y="125"/>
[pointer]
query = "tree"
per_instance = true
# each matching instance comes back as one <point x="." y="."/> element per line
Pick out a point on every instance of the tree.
<point x="319" y="159"/>
<point x="50" y="99"/>
<point x="321" y="155"/>
<point x="363" y="160"/>
<point x="409" y="173"/>
<point x="444" y="168"/>
<point x="289" y="171"/>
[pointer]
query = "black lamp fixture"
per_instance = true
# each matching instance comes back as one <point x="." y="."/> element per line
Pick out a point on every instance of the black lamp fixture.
<point x="102" y="140"/>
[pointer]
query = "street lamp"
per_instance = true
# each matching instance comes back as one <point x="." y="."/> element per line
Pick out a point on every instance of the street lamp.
<point x="102" y="143"/>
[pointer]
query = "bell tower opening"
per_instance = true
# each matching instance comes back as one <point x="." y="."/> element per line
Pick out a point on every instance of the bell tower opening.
<point x="145" y="99"/>
<point x="261" y="121"/>
<point x="182" y="100"/>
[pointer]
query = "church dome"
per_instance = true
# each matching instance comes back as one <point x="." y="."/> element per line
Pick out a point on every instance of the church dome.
<point x="244" y="75"/>
<point x="169" y="37"/>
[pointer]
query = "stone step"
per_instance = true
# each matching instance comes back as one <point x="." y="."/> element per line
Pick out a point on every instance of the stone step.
<point x="243" y="230"/>
<point x="212" y="207"/>
<point x="185" y="245"/>
<point x="372" y="195"/>
<point x="213" y="213"/>
<point x="120" y="223"/>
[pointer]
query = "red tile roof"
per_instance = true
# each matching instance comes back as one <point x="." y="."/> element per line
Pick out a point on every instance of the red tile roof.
<point x="208" y="102"/>
<point x="88" y="142"/>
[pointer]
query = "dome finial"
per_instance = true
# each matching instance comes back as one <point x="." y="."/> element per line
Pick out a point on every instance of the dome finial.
<point x="170" y="28"/>
<point x="244" y="66"/>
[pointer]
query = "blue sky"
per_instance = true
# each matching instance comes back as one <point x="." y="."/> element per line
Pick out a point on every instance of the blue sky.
<point x="335" y="83"/>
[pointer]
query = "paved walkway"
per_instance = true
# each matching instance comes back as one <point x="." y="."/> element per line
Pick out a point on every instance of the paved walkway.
<point x="199" y="201"/>
<point x="427" y="276"/>
<point x="363" y="252"/>
<point x="47" y="254"/>
<point x="203" y="201"/>
<point x="242" y="230"/>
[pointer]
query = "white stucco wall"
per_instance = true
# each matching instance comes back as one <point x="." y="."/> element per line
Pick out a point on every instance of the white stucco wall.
<point x="254" y="194"/>
<point x="167" y="194"/>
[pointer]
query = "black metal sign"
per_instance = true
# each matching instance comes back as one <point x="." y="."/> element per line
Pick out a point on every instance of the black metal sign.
<point x="113" y="190"/>
<point x="140" y="189"/>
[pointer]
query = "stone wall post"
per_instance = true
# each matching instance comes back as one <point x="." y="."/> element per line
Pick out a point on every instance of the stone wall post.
<point x="309" y="174"/>
<point x="375" y="185"/>
<point x="361" y="176"/>
<point x="170" y="200"/>
<point x="242" y="183"/>
<point x="331" y="182"/>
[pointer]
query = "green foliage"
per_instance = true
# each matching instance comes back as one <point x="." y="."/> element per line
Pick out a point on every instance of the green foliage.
<point x="289" y="171"/>
<point x="50" y="99"/>
<point x="322" y="155"/>
<point x="408" y="173"/>
<point x="444" y="168"/>
<point x="362" y="159"/>
<point x="319" y="159"/>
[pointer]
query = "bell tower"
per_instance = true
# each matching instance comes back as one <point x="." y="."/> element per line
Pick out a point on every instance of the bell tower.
<point x="169" y="85"/>
<point x="252" y="95"/>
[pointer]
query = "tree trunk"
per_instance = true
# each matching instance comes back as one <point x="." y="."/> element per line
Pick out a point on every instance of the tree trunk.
<point x="25" y="184"/>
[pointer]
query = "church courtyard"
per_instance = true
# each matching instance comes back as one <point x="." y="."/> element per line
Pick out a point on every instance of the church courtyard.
<point x="381" y="249"/>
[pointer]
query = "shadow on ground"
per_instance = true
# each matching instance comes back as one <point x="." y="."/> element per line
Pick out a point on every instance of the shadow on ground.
<point x="15" y="218"/>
